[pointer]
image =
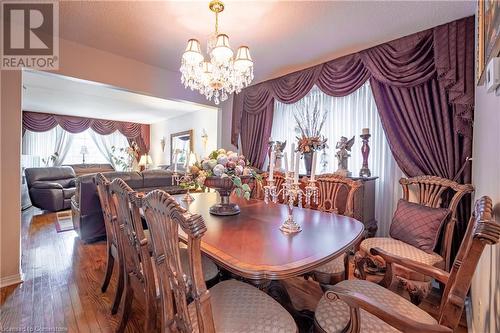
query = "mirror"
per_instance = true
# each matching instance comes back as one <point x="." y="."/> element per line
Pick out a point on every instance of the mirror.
<point x="182" y="144"/>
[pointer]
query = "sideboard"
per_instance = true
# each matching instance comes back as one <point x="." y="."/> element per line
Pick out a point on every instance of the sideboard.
<point x="364" y="204"/>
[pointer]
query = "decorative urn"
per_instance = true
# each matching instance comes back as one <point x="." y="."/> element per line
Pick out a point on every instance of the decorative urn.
<point x="225" y="186"/>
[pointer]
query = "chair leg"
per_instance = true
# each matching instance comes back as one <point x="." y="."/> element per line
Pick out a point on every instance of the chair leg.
<point x="387" y="280"/>
<point x="109" y="270"/>
<point x="127" y="307"/>
<point x="119" y="288"/>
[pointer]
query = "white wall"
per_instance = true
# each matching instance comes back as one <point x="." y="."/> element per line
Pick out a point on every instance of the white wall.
<point x="197" y="121"/>
<point x="485" y="288"/>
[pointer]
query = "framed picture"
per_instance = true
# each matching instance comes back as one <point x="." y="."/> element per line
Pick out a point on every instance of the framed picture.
<point x="488" y="15"/>
<point x="181" y="143"/>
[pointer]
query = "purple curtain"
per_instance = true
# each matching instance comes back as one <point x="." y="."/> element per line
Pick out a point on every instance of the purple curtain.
<point x="42" y="122"/>
<point x="435" y="64"/>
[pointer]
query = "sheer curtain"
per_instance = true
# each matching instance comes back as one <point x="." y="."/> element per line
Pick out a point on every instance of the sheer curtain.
<point x="105" y="143"/>
<point x="41" y="145"/>
<point x="347" y="116"/>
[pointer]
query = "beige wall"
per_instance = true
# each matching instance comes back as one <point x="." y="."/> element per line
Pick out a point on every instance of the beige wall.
<point x="10" y="133"/>
<point x="485" y="288"/>
<point x="81" y="62"/>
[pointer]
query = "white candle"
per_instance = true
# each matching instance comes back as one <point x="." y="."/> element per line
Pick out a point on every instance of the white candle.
<point x="297" y="163"/>
<point x="187" y="160"/>
<point x="271" y="165"/>
<point x="313" y="169"/>
<point x="285" y="157"/>
<point x="365" y="131"/>
<point x="292" y="154"/>
<point x="175" y="162"/>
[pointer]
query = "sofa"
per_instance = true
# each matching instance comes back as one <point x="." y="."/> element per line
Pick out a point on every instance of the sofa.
<point x="51" y="188"/>
<point x="86" y="207"/>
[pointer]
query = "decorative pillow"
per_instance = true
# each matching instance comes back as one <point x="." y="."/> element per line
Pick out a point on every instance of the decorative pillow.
<point x="418" y="225"/>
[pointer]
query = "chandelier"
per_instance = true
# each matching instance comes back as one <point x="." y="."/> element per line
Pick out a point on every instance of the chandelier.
<point x="221" y="74"/>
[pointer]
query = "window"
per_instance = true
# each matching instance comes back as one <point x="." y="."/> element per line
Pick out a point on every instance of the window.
<point x="347" y="116"/>
<point x="80" y="140"/>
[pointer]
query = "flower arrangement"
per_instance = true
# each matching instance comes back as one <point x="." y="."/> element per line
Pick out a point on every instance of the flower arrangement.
<point x="222" y="163"/>
<point x="310" y="125"/>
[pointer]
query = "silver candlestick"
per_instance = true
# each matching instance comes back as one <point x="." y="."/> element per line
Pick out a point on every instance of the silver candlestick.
<point x="291" y="191"/>
<point x="187" y="178"/>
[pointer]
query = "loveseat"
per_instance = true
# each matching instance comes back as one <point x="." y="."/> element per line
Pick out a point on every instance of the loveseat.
<point x="51" y="188"/>
<point x="86" y="208"/>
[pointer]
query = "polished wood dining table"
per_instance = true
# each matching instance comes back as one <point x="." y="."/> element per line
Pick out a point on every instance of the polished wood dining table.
<point x="252" y="246"/>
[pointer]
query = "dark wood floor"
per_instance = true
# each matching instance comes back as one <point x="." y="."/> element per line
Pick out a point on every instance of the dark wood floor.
<point x="62" y="278"/>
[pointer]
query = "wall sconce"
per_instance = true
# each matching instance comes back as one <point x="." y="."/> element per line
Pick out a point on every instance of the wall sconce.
<point x="204" y="139"/>
<point x="162" y="143"/>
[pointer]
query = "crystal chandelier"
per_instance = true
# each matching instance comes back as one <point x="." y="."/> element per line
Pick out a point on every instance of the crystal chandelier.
<point x="222" y="74"/>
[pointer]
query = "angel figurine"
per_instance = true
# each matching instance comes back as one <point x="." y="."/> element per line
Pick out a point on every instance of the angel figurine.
<point x="278" y="148"/>
<point x="344" y="147"/>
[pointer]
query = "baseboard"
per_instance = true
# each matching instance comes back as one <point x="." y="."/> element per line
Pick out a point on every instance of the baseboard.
<point x="11" y="279"/>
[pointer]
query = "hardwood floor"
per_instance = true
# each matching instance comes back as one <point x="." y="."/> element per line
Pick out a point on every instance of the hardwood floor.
<point x="62" y="275"/>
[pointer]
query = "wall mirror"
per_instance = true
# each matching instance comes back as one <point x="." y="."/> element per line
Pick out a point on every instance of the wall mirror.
<point x="181" y="144"/>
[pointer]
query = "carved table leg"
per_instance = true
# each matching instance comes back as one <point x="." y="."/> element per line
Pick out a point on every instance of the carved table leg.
<point x="360" y="261"/>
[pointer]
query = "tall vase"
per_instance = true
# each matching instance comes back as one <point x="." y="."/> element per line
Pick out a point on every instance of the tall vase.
<point x="308" y="162"/>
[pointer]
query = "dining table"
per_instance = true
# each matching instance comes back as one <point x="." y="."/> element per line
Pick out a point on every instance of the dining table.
<point x="251" y="245"/>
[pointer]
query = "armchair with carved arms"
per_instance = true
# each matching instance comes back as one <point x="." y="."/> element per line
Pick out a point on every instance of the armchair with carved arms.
<point x="430" y="191"/>
<point x="363" y="306"/>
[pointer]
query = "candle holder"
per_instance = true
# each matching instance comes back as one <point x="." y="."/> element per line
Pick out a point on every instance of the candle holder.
<point x="187" y="178"/>
<point x="291" y="191"/>
<point x="365" y="151"/>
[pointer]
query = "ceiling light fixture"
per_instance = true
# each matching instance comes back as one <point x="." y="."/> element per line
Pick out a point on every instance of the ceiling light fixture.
<point x="222" y="74"/>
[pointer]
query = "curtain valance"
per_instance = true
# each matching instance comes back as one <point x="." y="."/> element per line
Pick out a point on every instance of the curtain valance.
<point x="441" y="53"/>
<point x="41" y="122"/>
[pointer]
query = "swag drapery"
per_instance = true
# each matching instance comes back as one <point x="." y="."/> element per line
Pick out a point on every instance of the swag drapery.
<point x="41" y="122"/>
<point x="423" y="86"/>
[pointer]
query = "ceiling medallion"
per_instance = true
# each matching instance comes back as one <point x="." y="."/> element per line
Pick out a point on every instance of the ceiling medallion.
<point x="222" y="74"/>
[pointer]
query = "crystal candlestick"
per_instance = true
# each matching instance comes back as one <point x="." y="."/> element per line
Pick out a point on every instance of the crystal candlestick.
<point x="187" y="178"/>
<point x="290" y="192"/>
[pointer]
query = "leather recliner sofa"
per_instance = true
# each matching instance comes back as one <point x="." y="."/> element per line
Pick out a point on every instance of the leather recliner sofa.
<point x="86" y="207"/>
<point x="51" y="188"/>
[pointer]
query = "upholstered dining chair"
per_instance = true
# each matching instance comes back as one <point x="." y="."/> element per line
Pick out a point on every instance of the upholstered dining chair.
<point x="113" y="250"/>
<point x="362" y="306"/>
<point x="429" y="191"/>
<point x="229" y="306"/>
<point x="336" y="195"/>
<point x="258" y="191"/>
<point x="139" y="279"/>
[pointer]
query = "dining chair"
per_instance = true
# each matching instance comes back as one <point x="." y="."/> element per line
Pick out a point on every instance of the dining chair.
<point x="229" y="306"/>
<point x="429" y="191"/>
<point x="336" y="195"/>
<point x="139" y="279"/>
<point x="363" y="306"/>
<point x="278" y="177"/>
<point x="113" y="250"/>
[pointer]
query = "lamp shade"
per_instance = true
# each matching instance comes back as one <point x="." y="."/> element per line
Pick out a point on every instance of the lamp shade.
<point x="145" y="160"/>
<point x="243" y="59"/>
<point x="192" y="55"/>
<point x="222" y="51"/>
<point x="84" y="150"/>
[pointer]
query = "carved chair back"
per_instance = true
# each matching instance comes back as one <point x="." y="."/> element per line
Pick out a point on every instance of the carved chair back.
<point x="164" y="216"/>
<point x="279" y="179"/>
<point x="437" y="192"/>
<point x="109" y="217"/>
<point x="481" y="230"/>
<point x="337" y="193"/>
<point x="137" y="259"/>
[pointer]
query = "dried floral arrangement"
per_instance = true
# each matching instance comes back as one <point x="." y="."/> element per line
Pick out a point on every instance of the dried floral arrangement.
<point x="310" y="125"/>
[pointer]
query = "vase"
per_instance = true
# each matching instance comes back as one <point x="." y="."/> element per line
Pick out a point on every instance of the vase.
<point x="308" y="162"/>
<point x="225" y="186"/>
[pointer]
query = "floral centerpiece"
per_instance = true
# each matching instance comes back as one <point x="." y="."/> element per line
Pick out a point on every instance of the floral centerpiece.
<point x="225" y="171"/>
<point x="310" y="140"/>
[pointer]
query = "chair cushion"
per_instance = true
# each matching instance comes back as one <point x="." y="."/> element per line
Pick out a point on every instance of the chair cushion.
<point x="238" y="307"/>
<point x="401" y="249"/>
<point x="333" y="316"/>
<point x="418" y="225"/>
<point x="334" y="266"/>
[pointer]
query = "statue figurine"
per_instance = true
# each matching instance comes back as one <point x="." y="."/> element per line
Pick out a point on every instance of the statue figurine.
<point x="278" y="148"/>
<point x="344" y="147"/>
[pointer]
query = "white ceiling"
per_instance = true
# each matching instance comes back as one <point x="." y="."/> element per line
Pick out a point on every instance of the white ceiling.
<point x="283" y="35"/>
<point x="58" y="94"/>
